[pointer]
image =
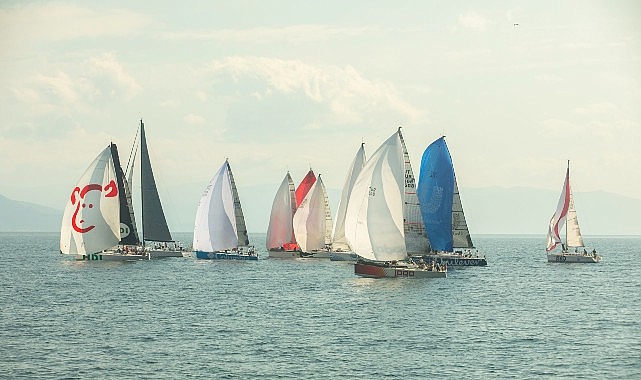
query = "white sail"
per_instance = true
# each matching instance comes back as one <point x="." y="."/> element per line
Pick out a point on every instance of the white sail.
<point x="241" y="227"/>
<point x="374" y="225"/>
<point x="560" y="215"/>
<point x="573" y="232"/>
<point x="309" y="220"/>
<point x="280" y="230"/>
<point x="414" y="228"/>
<point x="329" y="223"/>
<point x="91" y="221"/>
<point x="215" y="226"/>
<point x="460" y="233"/>
<point x="339" y="242"/>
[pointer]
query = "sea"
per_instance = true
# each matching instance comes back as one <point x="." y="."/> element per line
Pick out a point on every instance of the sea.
<point x="520" y="317"/>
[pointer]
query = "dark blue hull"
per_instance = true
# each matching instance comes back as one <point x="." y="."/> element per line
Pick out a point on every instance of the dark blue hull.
<point x="224" y="256"/>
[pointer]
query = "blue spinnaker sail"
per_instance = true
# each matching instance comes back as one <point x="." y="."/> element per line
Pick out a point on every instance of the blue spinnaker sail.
<point x="435" y="193"/>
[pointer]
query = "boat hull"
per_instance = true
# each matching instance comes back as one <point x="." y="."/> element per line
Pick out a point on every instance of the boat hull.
<point x="106" y="256"/>
<point x="343" y="256"/>
<point x="378" y="271"/>
<point x="573" y="258"/>
<point x="284" y="254"/>
<point x="455" y="260"/>
<point x="224" y="256"/>
<point x="160" y="254"/>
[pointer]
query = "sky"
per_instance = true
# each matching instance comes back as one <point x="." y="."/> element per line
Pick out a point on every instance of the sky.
<point x="517" y="87"/>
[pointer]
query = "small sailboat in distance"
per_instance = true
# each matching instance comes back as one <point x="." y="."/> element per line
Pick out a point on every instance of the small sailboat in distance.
<point x="220" y="231"/>
<point x="566" y="214"/>
<point x="313" y="222"/>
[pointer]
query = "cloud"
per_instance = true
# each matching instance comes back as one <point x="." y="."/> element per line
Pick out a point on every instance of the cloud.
<point x="121" y="82"/>
<point x="292" y="34"/>
<point x="55" y="22"/>
<point x="475" y="21"/>
<point x="194" y="119"/>
<point x="348" y="96"/>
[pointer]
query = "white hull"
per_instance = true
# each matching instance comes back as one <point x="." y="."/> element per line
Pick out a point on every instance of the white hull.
<point x="109" y="256"/>
<point x="317" y="255"/>
<point x="160" y="254"/>
<point x="379" y="271"/>
<point x="343" y="256"/>
<point x="574" y="258"/>
<point x="454" y="259"/>
<point x="284" y="254"/>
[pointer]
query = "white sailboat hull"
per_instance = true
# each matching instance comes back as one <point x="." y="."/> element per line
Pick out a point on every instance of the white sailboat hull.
<point x="573" y="258"/>
<point x="109" y="256"/>
<point x="162" y="253"/>
<point x="455" y="259"/>
<point x="284" y="254"/>
<point x="381" y="271"/>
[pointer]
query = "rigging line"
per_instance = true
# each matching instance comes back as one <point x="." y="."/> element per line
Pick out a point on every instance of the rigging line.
<point x="133" y="147"/>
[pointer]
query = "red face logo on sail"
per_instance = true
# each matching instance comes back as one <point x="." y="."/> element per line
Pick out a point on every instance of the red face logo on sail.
<point x="77" y="199"/>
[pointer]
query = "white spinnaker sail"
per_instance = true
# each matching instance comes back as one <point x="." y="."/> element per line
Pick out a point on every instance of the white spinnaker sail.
<point x="339" y="241"/>
<point x="91" y="221"/>
<point x="309" y="219"/>
<point x="280" y="229"/>
<point x="374" y="217"/>
<point x="573" y="232"/>
<point x="215" y="226"/>
<point x="560" y="215"/>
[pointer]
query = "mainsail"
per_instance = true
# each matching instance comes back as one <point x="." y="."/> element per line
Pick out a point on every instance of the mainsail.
<point x="154" y="224"/>
<point x="339" y="242"/>
<point x="374" y="225"/>
<point x="460" y="233"/>
<point x="215" y="227"/>
<point x="128" y="232"/>
<point x="280" y="230"/>
<point x="91" y="220"/>
<point x="416" y="241"/>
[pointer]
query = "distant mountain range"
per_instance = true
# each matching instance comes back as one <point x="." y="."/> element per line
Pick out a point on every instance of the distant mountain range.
<point x="17" y="216"/>
<point x="490" y="210"/>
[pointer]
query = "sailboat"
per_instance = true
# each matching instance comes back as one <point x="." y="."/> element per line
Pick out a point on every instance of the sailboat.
<point x="97" y="216"/>
<point x="219" y="230"/>
<point x="566" y="214"/>
<point x="154" y="225"/>
<point x="281" y="242"/>
<point x="313" y="223"/>
<point x="442" y="210"/>
<point x="341" y="250"/>
<point x="382" y="222"/>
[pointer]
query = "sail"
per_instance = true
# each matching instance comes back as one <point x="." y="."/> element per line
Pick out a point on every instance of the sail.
<point x="241" y="228"/>
<point x="573" y="232"/>
<point x="416" y="241"/>
<point x="435" y="193"/>
<point x="460" y="233"/>
<point x="215" y="226"/>
<point x="280" y="230"/>
<point x="374" y="218"/>
<point x="154" y="224"/>
<point x="560" y="215"/>
<point x="304" y="186"/>
<point x="91" y="220"/>
<point x="339" y="241"/>
<point x="329" y="223"/>
<point x="309" y="219"/>
<point x="128" y="232"/>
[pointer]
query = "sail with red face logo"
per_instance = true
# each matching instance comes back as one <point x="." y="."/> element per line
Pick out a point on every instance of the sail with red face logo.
<point x="91" y="221"/>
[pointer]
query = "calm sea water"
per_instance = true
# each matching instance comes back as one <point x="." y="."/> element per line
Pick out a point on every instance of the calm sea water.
<point x="519" y="317"/>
